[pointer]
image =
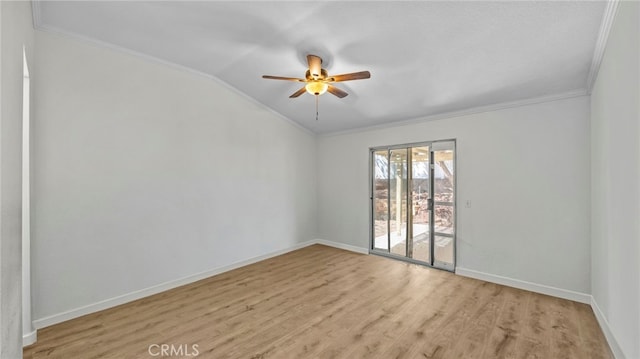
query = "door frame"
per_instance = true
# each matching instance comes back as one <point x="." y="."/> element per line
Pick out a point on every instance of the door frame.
<point x="432" y="262"/>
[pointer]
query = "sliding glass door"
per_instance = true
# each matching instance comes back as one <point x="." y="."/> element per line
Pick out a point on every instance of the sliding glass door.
<point x="413" y="202"/>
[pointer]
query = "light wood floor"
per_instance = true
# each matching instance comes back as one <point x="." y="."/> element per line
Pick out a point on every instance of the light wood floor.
<point x="321" y="302"/>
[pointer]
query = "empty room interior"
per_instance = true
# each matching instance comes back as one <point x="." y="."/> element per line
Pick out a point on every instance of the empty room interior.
<point x="341" y="179"/>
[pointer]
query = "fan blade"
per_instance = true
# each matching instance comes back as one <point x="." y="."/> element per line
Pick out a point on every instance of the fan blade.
<point x="336" y="91"/>
<point x="283" y="78"/>
<point x="315" y="65"/>
<point x="298" y="93"/>
<point x="348" y="77"/>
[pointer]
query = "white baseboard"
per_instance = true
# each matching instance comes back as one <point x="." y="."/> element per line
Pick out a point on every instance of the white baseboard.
<point x="604" y="325"/>
<point x="129" y="297"/>
<point x="346" y="247"/>
<point x="520" y="284"/>
<point x="29" y="338"/>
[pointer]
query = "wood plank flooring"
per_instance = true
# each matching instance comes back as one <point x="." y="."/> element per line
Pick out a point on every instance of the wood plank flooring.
<point x="322" y="302"/>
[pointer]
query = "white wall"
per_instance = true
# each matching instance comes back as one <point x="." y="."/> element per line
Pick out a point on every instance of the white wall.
<point x="615" y="168"/>
<point x="145" y="174"/>
<point x="525" y="170"/>
<point x="16" y="31"/>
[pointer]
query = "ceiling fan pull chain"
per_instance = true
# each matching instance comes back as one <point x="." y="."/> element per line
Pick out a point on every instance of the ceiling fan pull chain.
<point x="317" y="107"/>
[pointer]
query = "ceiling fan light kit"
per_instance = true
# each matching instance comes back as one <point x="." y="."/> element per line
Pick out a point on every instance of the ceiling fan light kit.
<point x="316" y="87"/>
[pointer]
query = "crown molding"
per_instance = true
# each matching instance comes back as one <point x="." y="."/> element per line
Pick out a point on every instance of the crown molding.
<point x="601" y="44"/>
<point x="465" y="112"/>
<point x="38" y="25"/>
<point x="35" y="13"/>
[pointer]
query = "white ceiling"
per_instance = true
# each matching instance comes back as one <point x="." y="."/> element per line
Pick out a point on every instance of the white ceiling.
<point x="425" y="58"/>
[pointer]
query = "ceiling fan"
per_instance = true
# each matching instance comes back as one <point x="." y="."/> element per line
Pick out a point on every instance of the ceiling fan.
<point x="318" y="80"/>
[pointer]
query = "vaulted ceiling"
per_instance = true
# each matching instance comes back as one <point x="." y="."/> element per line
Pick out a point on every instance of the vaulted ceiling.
<point x="426" y="59"/>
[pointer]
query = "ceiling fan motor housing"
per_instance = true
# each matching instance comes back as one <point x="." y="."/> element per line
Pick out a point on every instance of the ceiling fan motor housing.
<point x="323" y="75"/>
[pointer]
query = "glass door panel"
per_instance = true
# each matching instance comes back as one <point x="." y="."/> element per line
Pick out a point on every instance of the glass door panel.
<point x="443" y="252"/>
<point x="398" y="201"/>
<point x="381" y="200"/>
<point x="444" y="219"/>
<point x="420" y="247"/>
<point x="444" y="204"/>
